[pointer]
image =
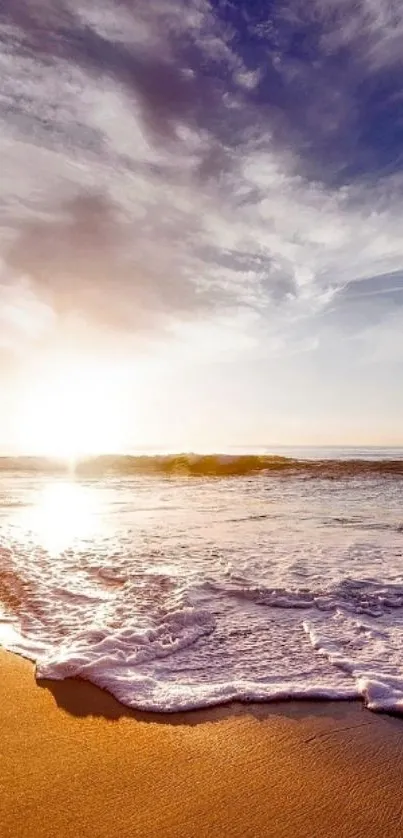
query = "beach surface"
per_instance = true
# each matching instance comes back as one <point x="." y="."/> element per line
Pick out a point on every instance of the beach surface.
<point x="74" y="762"/>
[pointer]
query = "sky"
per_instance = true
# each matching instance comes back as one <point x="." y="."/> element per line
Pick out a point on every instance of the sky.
<point x="201" y="223"/>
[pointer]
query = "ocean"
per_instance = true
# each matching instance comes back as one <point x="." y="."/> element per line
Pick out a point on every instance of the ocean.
<point x="183" y="582"/>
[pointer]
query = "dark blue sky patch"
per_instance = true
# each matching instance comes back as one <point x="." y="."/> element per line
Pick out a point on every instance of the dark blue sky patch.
<point x="343" y="119"/>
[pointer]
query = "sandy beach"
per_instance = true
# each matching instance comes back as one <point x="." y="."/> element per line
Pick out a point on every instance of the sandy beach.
<point x="74" y="762"/>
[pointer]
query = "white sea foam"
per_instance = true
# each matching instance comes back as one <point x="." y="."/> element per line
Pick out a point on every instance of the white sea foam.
<point x="177" y="594"/>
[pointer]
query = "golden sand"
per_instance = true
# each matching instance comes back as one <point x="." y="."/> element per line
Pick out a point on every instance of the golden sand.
<point x="76" y="764"/>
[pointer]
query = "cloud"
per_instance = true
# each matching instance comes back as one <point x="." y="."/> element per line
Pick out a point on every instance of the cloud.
<point x="189" y="162"/>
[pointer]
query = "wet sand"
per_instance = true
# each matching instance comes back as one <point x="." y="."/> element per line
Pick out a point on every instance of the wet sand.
<point x="76" y="764"/>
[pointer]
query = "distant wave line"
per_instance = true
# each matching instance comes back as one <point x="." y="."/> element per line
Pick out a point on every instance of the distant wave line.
<point x="205" y="465"/>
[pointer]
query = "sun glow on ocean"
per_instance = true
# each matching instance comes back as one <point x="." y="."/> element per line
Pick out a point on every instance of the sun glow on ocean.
<point x="65" y="512"/>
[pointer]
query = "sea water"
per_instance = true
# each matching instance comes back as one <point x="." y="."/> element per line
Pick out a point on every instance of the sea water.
<point x="176" y="592"/>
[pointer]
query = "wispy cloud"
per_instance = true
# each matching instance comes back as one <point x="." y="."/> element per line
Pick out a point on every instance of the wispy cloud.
<point x="165" y="164"/>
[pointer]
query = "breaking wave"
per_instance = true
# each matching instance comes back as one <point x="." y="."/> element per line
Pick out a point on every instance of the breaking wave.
<point x="208" y="465"/>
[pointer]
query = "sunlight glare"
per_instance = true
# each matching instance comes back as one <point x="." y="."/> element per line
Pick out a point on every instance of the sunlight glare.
<point x="66" y="512"/>
<point x="71" y="412"/>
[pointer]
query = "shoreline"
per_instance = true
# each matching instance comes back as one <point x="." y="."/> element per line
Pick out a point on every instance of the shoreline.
<point x="75" y="762"/>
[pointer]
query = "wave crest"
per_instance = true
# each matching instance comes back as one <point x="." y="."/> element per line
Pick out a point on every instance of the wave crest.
<point x="207" y="465"/>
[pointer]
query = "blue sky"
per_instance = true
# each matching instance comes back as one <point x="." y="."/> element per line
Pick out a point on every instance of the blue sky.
<point x="201" y="206"/>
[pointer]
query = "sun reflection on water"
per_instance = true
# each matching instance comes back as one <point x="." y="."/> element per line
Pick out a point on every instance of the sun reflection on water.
<point x="65" y="513"/>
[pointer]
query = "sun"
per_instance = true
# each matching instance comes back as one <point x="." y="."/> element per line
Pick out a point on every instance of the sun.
<point x="71" y="411"/>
